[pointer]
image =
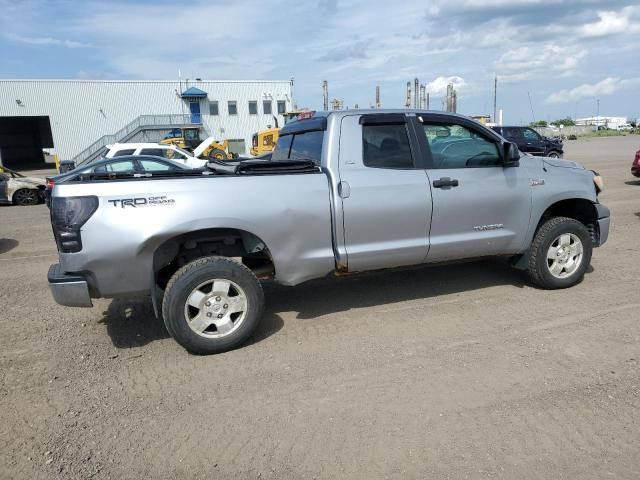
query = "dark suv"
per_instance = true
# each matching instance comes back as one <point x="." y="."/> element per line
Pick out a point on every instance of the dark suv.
<point x="531" y="142"/>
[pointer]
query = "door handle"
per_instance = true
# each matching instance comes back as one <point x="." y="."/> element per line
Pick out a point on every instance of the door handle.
<point x="344" y="190"/>
<point x="445" y="182"/>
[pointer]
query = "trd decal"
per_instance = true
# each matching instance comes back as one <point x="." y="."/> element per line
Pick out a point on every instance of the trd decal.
<point x="139" y="202"/>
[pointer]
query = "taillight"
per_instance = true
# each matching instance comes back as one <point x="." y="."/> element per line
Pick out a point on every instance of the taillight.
<point x="50" y="183"/>
<point x="68" y="215"/>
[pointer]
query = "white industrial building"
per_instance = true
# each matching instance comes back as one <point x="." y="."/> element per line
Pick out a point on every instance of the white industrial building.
<point x="601" y="121"/>
<point x="76" y="118"/>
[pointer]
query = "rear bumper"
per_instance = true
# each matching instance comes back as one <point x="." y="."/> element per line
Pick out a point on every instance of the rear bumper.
<point x="604" y="220"/>
<point x="68" y="290"/>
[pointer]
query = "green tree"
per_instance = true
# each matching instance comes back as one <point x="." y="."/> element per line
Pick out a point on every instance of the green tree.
<point x="567" y="122"/>
<point x="539" y="123"/>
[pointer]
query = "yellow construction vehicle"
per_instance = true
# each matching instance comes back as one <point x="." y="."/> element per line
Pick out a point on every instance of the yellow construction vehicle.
<point x="265" y="140"/>
<point x="188" y="138"/>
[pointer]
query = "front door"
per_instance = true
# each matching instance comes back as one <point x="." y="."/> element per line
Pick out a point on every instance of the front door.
<point x="480" y="207"/>
<point x="533" y="142"/>
<point x="194" y="108"/>
<point x="385" y="196"/>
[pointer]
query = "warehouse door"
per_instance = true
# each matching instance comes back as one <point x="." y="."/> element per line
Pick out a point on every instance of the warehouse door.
<point x="194" y="108"/>
<point x="22" y="140"/>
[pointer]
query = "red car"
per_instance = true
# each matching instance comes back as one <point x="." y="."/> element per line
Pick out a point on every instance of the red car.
<point x="635" y="166"/>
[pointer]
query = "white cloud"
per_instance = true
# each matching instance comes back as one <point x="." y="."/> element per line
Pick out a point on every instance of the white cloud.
<point x="610" y="23"/>
<point x="438" y="86"/>
<point x="47" y="41"/>
<point x="524" y="62"/>
<point x="608" y="86"/>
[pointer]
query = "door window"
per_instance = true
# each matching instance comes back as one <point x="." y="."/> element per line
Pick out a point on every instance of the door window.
<point x="122" y="166"/>
<point x="531" y="135"/>
<point x="456" y="146"/>
<point x="155" y="166"/>
<point x="386" y="146"/>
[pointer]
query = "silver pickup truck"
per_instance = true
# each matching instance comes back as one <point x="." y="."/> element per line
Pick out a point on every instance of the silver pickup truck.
<point x="344" y="192"/>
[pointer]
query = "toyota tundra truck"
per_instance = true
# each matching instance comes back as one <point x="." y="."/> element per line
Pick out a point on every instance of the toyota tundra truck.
<point x="345" y="192"/>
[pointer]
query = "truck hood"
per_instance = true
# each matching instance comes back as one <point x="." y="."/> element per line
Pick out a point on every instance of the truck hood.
<point x="557" y="162"/>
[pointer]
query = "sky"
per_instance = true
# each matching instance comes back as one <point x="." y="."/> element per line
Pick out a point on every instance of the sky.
<point x="553" y="58"/>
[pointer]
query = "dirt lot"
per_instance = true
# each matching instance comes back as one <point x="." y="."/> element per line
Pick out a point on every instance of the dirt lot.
<point x="463" y="371"/>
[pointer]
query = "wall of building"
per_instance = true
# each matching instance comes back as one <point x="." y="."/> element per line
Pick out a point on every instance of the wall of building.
<point x="82" y="111"/>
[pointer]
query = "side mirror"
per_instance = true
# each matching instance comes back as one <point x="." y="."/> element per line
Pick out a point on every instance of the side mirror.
<point x="510" y="154"/>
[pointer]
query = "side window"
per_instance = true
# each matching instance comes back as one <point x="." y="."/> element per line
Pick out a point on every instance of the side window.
<point x="282" y="107"/>
<point x="233" y="107"/>
<point x="156" y="152"/>
<point x="123" y="166"/>
<point x="531" y="135"/>
<point x="153" y="166"/>
<point x="386" y="146"/>
<point x="253" y="107"/>
<point x="122" y="153"/>
<point x="456" y="146"/>
<point x="213" y="108"/>
<point x="266" y="107"/>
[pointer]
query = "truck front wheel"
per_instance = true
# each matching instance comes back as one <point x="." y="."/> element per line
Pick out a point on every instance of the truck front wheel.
<point x="560" y="253"/>
<point x="212" y="304"/>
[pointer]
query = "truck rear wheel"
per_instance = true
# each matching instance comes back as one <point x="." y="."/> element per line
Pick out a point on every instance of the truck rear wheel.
<point x="560" y="253"/>
<point x="212" y="305"/>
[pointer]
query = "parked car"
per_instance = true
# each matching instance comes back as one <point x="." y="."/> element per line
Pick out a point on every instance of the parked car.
<point x="170" y="152"/>
<point x="531" y="142"/>
<point x="399" y="188"/>
<point x="138" y="164"/>
<point x="635" y="166"/>
<point x="17" y="189"/>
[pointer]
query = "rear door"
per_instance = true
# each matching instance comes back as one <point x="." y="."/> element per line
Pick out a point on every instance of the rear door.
<point x="480" y="207"/>
<point x="386" y="201"/>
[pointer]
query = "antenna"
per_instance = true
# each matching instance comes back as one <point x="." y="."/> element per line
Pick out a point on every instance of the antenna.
<point x="533" y="116"/>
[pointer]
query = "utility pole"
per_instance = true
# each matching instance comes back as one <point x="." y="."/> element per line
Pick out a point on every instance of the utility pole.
<point x="325" y="95"/>
<point x="378" y="96"/>
<point x="495" y="99"/>
<point x="533" y="116"/>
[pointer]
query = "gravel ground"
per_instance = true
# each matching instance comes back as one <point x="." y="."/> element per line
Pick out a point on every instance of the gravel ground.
<point x="464" y="371"/>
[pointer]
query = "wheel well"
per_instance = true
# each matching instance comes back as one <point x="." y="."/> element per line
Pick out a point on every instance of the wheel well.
<point x="243" y="246"/>
<point x="577" y="208"/>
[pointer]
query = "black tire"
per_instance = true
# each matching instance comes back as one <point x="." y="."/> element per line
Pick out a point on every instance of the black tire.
<point x="553" y="154"/>
<point x="26" y="196"/>
<point x="182" y="285"/>
<point x="547" y="234"/>
<point x="218" y="154"/>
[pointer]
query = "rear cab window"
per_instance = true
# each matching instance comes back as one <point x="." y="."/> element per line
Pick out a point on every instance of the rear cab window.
<point x="301" y="140"/>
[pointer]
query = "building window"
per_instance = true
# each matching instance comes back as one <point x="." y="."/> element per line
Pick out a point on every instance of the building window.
<point x="213" y="108"/>
<point x="233" y="107"/>
<point x="253" y="107"/>
<point x="282" y="107"/>
<point x="266" y="107"/>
